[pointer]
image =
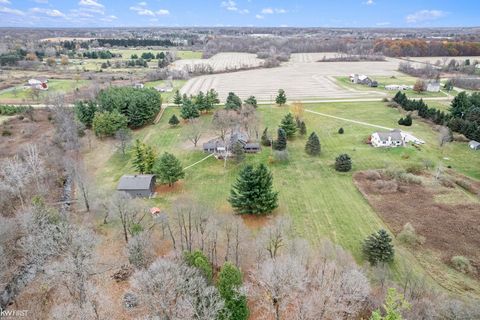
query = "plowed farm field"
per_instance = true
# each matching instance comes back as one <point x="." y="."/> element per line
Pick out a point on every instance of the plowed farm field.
<point x="302" y="78"/>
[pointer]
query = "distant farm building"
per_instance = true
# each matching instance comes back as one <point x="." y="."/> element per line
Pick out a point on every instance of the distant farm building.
<point x="142" y="186"/>
<point x="433" y="86"/>
<point x="392" y="139"/>
<point x="474" y="145"/>
<point x="222" y="148"/>
<point x="40" y="83"/>
<point x="138" y="85"/>
<point x="398" y="87"/>
<point x="363" y="79"/>
<point x="163" y="89"/>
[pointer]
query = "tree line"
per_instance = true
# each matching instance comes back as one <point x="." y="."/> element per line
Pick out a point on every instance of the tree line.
<point x="424" y="48"/>
<point x="135" y="42"/>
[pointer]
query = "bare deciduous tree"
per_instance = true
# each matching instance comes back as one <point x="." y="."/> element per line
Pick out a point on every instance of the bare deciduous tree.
<point x="172" y="290"/>
<point x="131" y="213"/>
<point x="194" y="131"/>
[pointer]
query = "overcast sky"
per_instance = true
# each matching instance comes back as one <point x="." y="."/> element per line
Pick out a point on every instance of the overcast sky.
<point x="300" y="13"/>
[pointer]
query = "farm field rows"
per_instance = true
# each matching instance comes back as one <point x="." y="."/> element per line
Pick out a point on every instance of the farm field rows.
<point x="222" y="62"/>
<point x="301" y="80"/>
<point x="321" y="202"/>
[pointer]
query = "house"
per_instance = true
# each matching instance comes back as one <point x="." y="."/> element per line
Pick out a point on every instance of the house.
<point x="389" y="139"/>
<point x="408" y="137"/>
<point x="137" y="185"/>
<point x="398" y="87"/>
<point x="40" y="83"/>
<point x="363" y="79"/>
<point x="433" y="86"/>
<point x="138" y="85"/>
<point x="474" y="145"/>
<point x="221" y="148"/>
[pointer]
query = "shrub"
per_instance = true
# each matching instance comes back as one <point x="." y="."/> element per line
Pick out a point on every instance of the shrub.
<point x="198" y="260"/>
<point x="343" y="163"/>
<point x="385" y="99"/>
<point x="372" y="175"/>
<point x="385" y="186"/>
<point x="462" y="264"/>
<point x="341" y="131"/>
<point x="409" y="237"/>
<point x="415" y="169"/>
<point x="107" y="123"/>
<point x="402" y="176"/>
<point x="6" y="133"/>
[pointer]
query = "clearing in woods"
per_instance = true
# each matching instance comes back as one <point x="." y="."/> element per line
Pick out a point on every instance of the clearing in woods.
<point x="320" y="201"/>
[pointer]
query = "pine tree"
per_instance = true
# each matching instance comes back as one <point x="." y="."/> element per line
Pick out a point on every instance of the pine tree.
<point x="253" y="193"/>
<point x="230" y="280"/>
<point x="460" y="105"/>
<point x="238" y="152"/>
<point x="168" y="169"/>
<point x="288" y="124"/>
<point x="266" y="141"/>
<point x="281" y="142"/>
<point x="201" y="102"/>
<point x="212" y="97"/>
<point x="233" y="102"/>
<point x="303" y="128"/>
<point x="177" y="98"/>
<point x="343" y="163"/>
<point x="138" y="157"/>
<point x="149" y="159"/>
<point x="252" y="101"/>
<point x="341" y="131"/>
<point x="173" y="121"/>
<point x="313" y="145"/>
<point x="189" y="110"/>
<point x="281" y="98"/>
<point x="378" y="248"/>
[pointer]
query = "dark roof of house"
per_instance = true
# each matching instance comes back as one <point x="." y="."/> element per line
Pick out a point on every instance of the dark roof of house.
<point x="395" y="135"/>
<point x="135" y="182"/>
<point x="252" y="145"/>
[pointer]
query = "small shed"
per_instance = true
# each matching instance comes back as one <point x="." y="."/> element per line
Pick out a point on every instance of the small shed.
<point x="142" y="186"/>
<point x="474" y="145"/>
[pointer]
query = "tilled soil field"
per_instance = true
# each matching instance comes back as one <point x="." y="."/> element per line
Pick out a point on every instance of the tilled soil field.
<point x="450" y="228"/>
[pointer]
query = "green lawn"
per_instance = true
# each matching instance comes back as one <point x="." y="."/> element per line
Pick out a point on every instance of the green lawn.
<point x="321" y="202"/>
<point x="54" y="86"/>
<point x="189" y="54"/>
<point x="166" y="96"/>
<point x="384" y="81"/>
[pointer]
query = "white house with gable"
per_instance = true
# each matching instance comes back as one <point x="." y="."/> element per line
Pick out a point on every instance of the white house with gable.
<point x="392" y="139"/>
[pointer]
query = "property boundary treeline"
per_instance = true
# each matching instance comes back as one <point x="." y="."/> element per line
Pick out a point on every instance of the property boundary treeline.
<point x="10" y="110"/>
<point x="463" y="117"/>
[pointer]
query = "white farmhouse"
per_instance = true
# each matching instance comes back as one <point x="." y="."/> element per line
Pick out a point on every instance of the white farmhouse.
<point x="387" y="139"/>
<point x="433" y="86"/>
<point x="393" y="139"/>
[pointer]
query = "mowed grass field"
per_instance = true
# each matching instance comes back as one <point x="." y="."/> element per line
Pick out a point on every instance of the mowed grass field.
<point x="54" y="86"/>
<point x="321" y="201"/>
<point x="166" y="96"/>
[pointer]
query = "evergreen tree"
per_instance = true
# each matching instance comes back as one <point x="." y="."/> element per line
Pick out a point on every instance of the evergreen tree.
<point x="212" y="97"/>
<point x="201" y="102"/>
<point x="343" y="163"/>
<point x="85" y="112"/>
<point x="341" y="131"/>
<point x="177" y="99"/>
<point x="281" y="98"/>
<point x="173" y="121"/>
<point x="281" y="142"/>
<point x="460" y="105"/>
<point x="266" y="141"/>
<point x="168" y="169"/>
<point x="188" y="110"/>
<point x="233" y="102"/>
<point x="198" y="260"/>
<point x="378" y="248"/>
<point x="288" y="124"/>
<point x="252" y="101"/>
<point x="149" y="158"/>
<point x="253" y="193"/>
<point x="313" y="145"/>
<point x="229" y="283"/>
<point x="303" y="128"/>
<point x="138" y="157"/>
<point x="238" y="152"/>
